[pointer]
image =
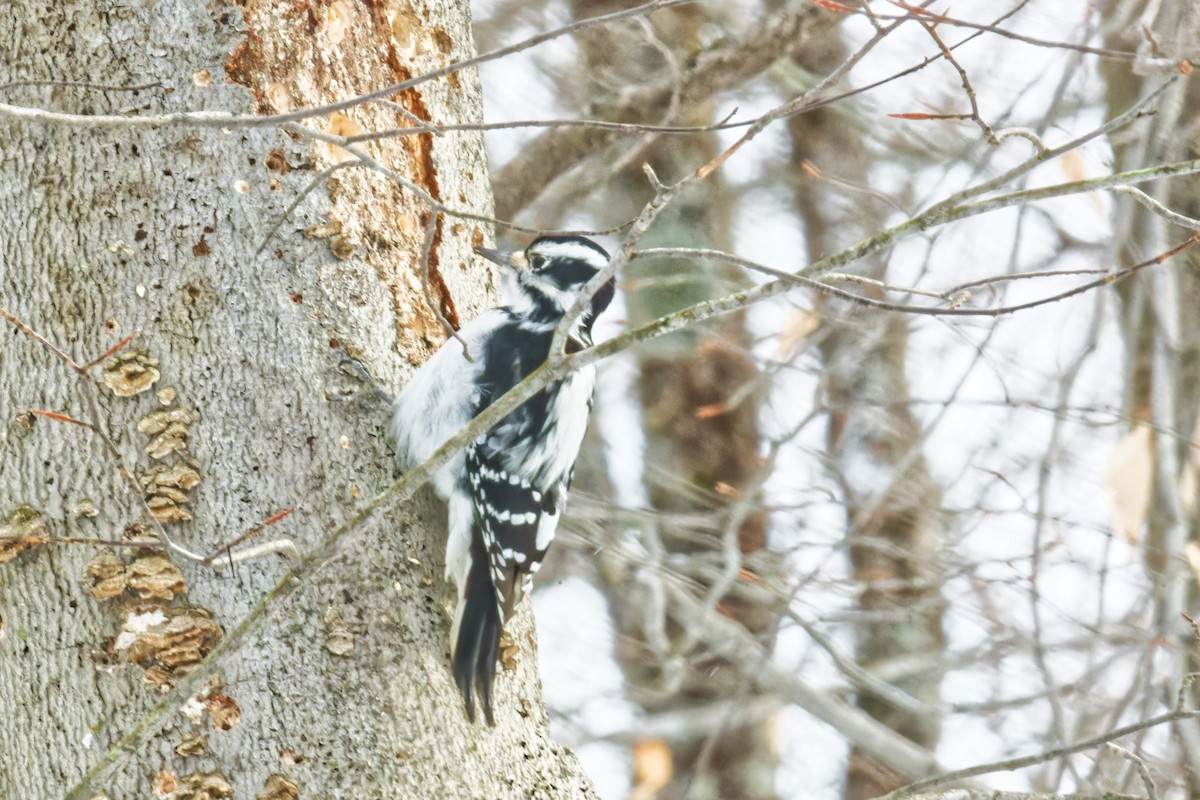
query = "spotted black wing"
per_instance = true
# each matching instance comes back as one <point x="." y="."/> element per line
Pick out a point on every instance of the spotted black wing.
<point x="508" y="510"/>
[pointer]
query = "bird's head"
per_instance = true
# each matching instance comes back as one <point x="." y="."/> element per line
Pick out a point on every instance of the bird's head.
<point x="551" y="272"/>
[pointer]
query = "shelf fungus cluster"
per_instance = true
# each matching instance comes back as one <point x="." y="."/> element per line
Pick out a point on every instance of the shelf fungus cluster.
<point x="175" y="472"/>
<point x="130" y="372"/>
<point x="165" y="640"/>
<point x="149" y="577"/>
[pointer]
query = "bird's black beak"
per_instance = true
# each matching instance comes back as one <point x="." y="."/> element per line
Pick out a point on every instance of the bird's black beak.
<point x="507" y="260"/>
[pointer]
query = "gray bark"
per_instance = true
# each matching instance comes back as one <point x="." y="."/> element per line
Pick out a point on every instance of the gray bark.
<point x="345" y="691"/>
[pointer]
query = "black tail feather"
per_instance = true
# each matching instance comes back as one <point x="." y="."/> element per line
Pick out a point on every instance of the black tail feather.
<point x="478" y="647"/>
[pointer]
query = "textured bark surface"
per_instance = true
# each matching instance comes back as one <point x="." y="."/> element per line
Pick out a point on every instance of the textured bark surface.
<point x="345" y="690"/>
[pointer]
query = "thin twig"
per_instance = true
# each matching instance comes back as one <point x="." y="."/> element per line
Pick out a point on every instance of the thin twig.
<point x="1149" y="202"/>
<point x="317" y="180"/>
<point x="663" y="195"/>
<point x="223" y="119"/>
<point x="1020" y="762"/>
<point x="99" y="87"/>
<point x="1122" y="55"/>
<point x="367" y="160"/>
<point x="517" y="124"/>
<point x="141" y="544"/>
<point x="803" y="103"/>
<point x="42" y="340"/>
<point x="706" y="309"/>
<point x="935" y="215"/>
<point x="60" y="417"/>
<point x="1043" y="152"/>
<point x="1132" y="114"/>
<point x="834" y="277"/>
<point x="988" y="133"/>
<point x="276" y="547"/>
<point x="110" y="352"/>
<point x="418" y="125"/>
<point x="1140" y="765"/>
<point x="1017" y="276"/>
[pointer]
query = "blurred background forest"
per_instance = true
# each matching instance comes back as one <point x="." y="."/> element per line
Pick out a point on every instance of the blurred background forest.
<point x="816" y="541"/>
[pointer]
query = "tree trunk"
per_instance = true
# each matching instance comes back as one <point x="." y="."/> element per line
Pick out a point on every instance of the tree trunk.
<point x="701" y="428"/>
<point x="1159" y="321"/>
<point x="893" y="504"/>
<point x="345" y="690"/>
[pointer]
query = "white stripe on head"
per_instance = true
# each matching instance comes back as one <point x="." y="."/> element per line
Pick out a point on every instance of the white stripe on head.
<point x="569" y="248"/>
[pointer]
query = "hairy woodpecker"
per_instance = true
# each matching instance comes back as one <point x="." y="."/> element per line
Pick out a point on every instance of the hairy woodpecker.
<point x="507" y="491"/>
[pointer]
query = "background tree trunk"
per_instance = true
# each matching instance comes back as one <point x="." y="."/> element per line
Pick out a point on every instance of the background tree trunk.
<point x="874" y="440"/>
<point x="1160" y="326"/>
<point x="345" y="691"/>
<point x="699" y="414"/>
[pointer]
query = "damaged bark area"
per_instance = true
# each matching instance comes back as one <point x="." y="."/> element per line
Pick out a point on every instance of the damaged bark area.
<point x="294" y="58"/>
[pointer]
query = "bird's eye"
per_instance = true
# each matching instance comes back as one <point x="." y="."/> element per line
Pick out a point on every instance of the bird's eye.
<point x="536" y="261"/>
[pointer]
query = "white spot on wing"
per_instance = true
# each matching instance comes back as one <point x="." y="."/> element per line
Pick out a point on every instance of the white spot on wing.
<point x="545" y="530"/>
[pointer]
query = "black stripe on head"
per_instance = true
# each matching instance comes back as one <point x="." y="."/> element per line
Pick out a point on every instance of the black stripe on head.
<point x="568" y="273"/>
<point x="569" y="262"/>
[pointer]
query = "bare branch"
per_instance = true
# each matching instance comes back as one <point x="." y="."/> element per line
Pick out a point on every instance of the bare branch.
<point x="1149" y="202"/>
<point x="1121" y="55"/>
<point x="1135" y="112"/>
<point x="1140" y="765"/>
<point x="962" y="74"/>
<point x="317" y="180"/>
<point x="1020" y="762"/>
<point x="223" y="119"/>
<point x="99" y="87"/>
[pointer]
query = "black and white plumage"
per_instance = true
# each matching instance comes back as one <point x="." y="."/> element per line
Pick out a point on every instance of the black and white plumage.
<point x="507" y="492"/>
